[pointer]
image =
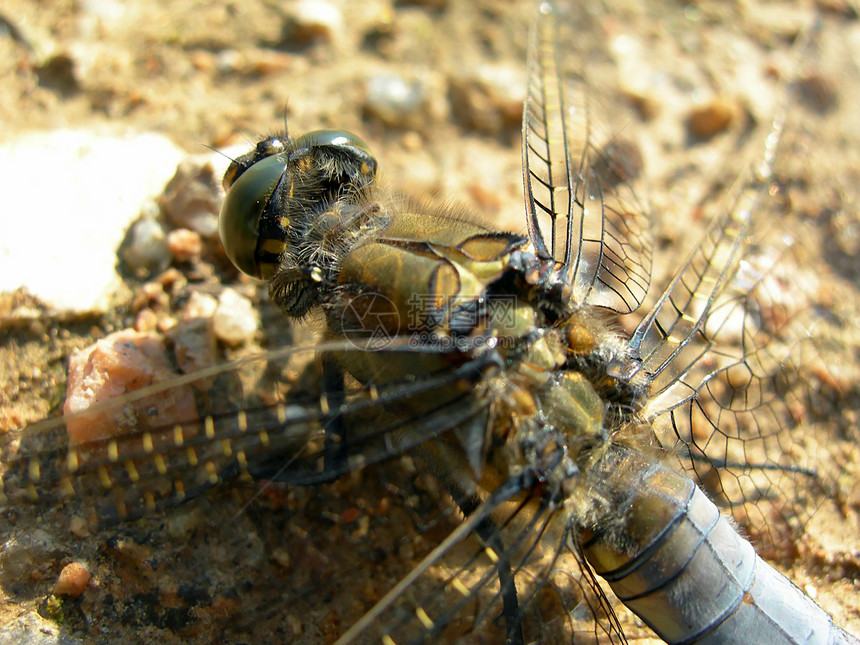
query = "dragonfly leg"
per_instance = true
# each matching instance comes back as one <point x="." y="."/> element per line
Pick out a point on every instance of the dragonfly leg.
<point x="334" y="450"/>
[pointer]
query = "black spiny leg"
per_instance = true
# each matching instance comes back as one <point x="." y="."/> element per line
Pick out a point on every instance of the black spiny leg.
<point x="334" y="451"/>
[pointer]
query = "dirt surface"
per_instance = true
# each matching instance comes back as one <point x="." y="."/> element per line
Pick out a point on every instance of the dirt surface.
<point x="697" y="81"/>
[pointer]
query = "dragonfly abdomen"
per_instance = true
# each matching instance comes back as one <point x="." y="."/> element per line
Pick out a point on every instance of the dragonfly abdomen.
<point x="681" y="566"/>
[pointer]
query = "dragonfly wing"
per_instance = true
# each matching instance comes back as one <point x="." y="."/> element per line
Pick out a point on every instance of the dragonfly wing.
<point x="581" y="206"/>
<point x="725" y="348"/>
<point x="506" y="573"/>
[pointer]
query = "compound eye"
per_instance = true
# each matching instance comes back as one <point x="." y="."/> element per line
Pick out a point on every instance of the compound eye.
<point x="362" y="164"/>
<point x="239" y="221"/>
<point x="266" y="148"/>
<point x="340" y="138"/>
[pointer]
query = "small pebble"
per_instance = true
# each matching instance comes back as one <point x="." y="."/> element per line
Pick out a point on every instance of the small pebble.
<point x="394" y="100"/>
<point x="187" y="519"/>
<point x="646" y="105"/>
<point x="146" y="320"/>
<point x="194" y="345"/>
<point x="146" y="250"/>
<point x="151" y="295"/>
<point x="411" y="141"/>
<point x="185" y="245"/>
<point x="199" y="305"/>
<point x="190" y="197"/>
<point x="490" y="100"/>
<point x="60" y="73"/>
<point x="314" y="19"/>
<point x="171" y="280"/>
<point x="294" y="625"/>
<point x="235" y="320"/>
<point x="166" y="323"/>
<point x="78" y="527"/>
<point x="203" y="61"/>
<point x="264" y="62"/>
<point x="818" y="93"/>
<point x="282" y="557"/>
<point x="710" y="119"/>
<point x="621" y="162"/>
<point x="73" y="580"/>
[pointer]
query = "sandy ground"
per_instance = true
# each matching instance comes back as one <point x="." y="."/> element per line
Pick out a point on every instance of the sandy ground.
<point x="299" y="566"/>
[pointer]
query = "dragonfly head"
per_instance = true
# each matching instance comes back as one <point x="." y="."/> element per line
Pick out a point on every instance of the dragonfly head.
<point x="278" y="182"/>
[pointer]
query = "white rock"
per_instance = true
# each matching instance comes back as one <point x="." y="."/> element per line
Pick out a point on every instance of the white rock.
<point x="318" y="17"/>
<point x="394" y="99"/>
<point x="235" y="320"/>
<point x="67" y="198"/>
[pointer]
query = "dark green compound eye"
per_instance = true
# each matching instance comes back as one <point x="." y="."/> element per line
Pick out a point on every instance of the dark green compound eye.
<point x="264" y="148"/>
<point x="254" y="219"/>
<point x="339" y="138"/>
<point x="239" y="222"/>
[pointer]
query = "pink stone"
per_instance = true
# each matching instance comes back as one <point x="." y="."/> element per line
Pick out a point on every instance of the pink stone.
<point x="73" y="580"/>
<point x="120" y="363"/>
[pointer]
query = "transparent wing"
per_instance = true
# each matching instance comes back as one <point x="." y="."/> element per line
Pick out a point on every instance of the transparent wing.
<point x="724" y="348"/>
<point x="234" y="432"/>
<point x="511" y="557"/>
<point x="581" y="207"/>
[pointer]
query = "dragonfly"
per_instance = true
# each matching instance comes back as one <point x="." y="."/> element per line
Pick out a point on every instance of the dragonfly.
<point x="492" y="360"/>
